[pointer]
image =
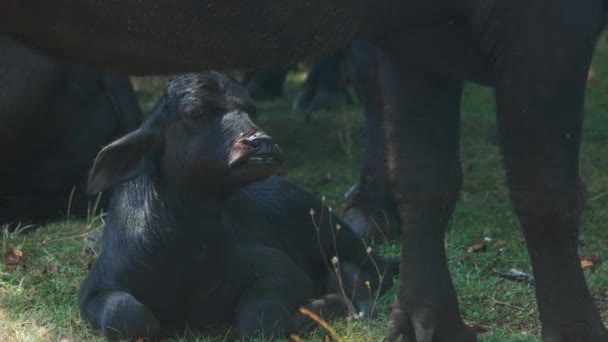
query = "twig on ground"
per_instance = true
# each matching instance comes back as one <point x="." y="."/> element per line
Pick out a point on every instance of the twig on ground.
<point x="600" y="298"/>
<point x="71" y="237"/>
<point x="506" y="304"/>
<point x="595" y="198"/>
<point x="322" y="323"/>
<point x="517" y="275"/>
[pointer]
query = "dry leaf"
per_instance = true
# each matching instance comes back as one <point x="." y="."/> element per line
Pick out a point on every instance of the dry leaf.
<point x="51" y="269"/>
<point x="589" y="261"/>
<point x="602" y="295"/>
<point x="480" y="247"/>
<point x="592" y="258"/>
<point x="13" y="258"/>
<point x="586" y="264"/>
<point x="479" y="328"/>
<point x="591" y="75"/>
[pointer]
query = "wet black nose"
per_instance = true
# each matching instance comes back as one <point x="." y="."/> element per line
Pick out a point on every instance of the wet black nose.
<point x="260" y="141"/>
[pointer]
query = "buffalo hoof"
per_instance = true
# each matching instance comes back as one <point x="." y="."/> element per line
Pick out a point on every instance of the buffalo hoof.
<point x="125" y="317"/>
<point x="357" y="220"/>
<point x="375" y="225"/>
<point x="419" y="327"/>
<point x="92" y="242"/>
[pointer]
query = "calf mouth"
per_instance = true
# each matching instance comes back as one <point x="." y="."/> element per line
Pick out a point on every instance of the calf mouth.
<point x="261" y="159"/>
<point x="254" y="160"/>
<point x="253" y="167"/>
<point x="256" y="153"/>
<point x="254" y="157"/>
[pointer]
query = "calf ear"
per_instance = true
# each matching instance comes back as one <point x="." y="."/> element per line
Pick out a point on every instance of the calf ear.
<point x="123" y="159"/>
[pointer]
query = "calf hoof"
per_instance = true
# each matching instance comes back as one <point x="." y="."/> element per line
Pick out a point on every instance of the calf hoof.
<point x="92" y="242"/>
<point x="329" y="306"/>
<point x="126" y="318"/>
<point x="264" y="320"/>
<point x="571" y="332"/>
<point x="404" y="327"/>
<point x="376" y="228"/>
<point x="358" y="222"/>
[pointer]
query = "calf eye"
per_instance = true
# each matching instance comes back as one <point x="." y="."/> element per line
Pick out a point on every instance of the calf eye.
<point x="200" y="109"/>
<point x="195" y="114"/>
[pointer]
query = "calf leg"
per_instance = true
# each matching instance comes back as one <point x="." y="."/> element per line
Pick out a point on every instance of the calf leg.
<point x="267" y="307"/>
<point x="120" y="316"/>
<point x="540" y="97"/>
<point x="266" y="85"/>
<point x="262" y="314"/>
<point x="422" y="117"/>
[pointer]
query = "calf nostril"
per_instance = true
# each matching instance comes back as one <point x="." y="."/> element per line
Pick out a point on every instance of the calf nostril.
<point x="264" y="145"/>
<point x="255" y="143"/>
<point x="258" y="141"/>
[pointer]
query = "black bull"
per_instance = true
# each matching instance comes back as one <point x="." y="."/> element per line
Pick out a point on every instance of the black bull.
<point x="535" y="54"/>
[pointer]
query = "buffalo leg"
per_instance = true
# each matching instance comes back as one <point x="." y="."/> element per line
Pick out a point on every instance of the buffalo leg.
<point x="325" y="87"/>
<point x="370" y="209"/>
<point x="540" y="98"/>
<point x="267" y="84"/>
<point x="422" y="119"/>
<point x="120" y="316"/>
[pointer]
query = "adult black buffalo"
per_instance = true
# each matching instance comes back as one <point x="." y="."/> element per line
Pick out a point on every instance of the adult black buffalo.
<point x="54" y="116"/>
<point x="535" y="53"/>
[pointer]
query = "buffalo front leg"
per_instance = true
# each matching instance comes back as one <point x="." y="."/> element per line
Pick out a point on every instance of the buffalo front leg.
<point x="119" y="316"/>
<point x="370" y="209"/>
<point x="266" y="308"/>
<point x="540" y="97"/>
<point x="422" y="118"/>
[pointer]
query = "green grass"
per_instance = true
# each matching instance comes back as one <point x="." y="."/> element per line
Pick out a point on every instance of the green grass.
<point x="38" y="303"/>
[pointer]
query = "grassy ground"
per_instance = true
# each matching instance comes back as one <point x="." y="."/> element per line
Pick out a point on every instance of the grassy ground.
<point x="38" y="298"/>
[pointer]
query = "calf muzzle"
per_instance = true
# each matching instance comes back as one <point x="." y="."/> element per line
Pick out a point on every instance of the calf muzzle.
<point x="257" y="149"/>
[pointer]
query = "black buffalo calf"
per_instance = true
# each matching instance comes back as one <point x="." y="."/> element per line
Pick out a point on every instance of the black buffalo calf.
<point x="197" y="234"/>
